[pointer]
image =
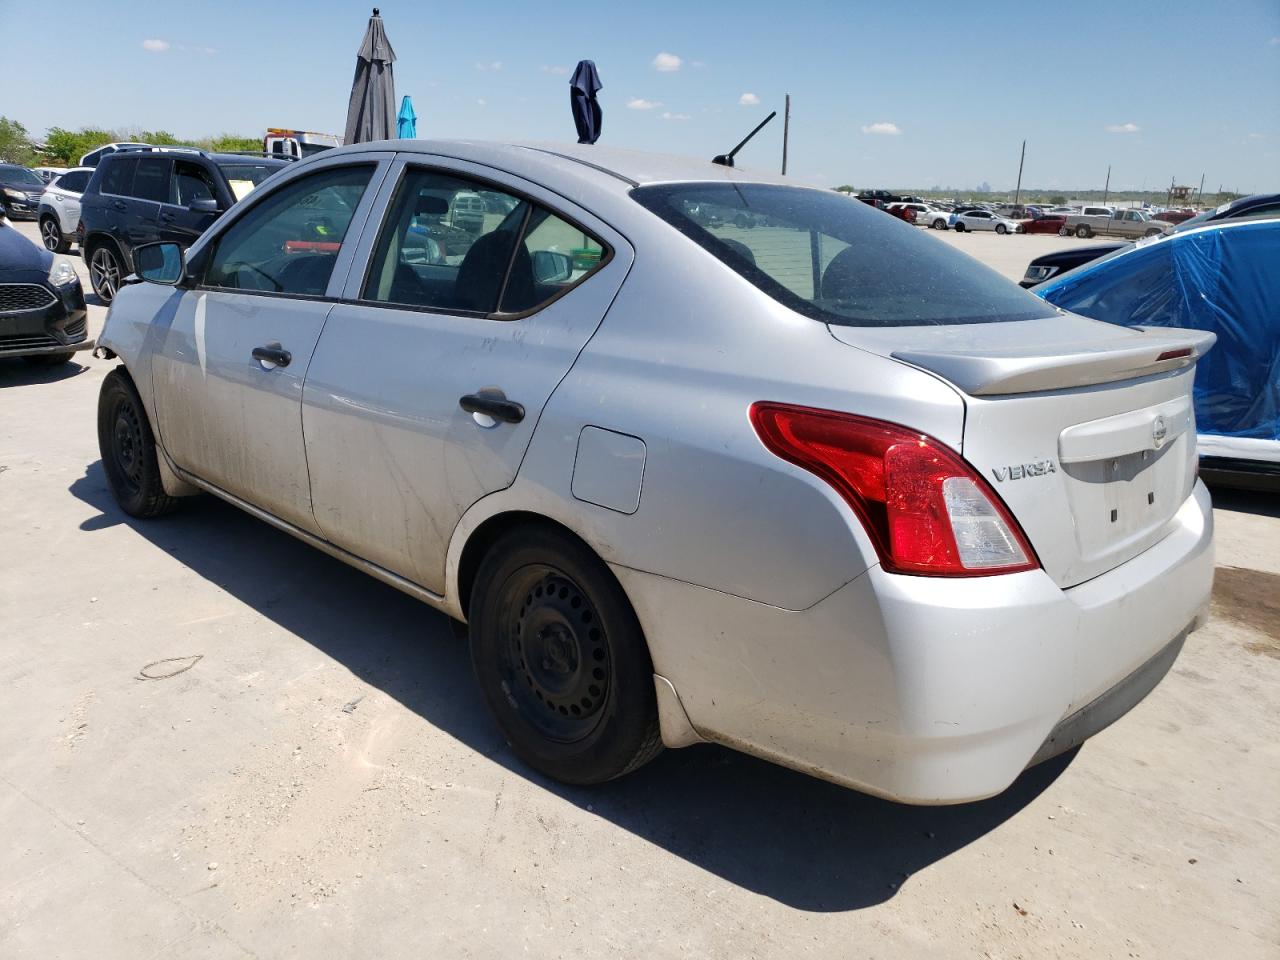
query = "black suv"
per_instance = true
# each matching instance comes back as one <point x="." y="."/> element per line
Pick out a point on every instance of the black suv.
<point x="140" y="196"/>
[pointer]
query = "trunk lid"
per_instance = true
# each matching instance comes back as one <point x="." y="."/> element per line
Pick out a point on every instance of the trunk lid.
<point x="1085" y="429"/>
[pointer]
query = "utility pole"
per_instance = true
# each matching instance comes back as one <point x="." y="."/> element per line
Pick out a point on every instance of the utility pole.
<point x="1200" y="194"/>
<point x="1106" y="190"/>
<point x="1018" y="192"/>
<point x="1169" y="195"/>
<point x="786" y="133"/>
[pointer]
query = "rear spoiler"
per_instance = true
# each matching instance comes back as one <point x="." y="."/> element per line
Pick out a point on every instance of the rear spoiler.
<point x="1034" y="369"/>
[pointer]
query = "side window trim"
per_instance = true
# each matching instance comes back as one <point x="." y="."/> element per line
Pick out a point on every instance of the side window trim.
<point x="368" y="242"/>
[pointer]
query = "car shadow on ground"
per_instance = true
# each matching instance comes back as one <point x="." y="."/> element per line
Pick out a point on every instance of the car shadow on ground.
<point x="16" y="372"/>
<point x="1260" y="503"/>
<point x="806" y="843"/>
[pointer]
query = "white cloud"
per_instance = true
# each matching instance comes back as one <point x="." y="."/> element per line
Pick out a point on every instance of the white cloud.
<point x="668" y="115"/>
<point x="1274" y="41"/>
<point x="492" y="65"/>
<point x="667" y="63"/>
<point x="1257" y="136"/>
<point x="1123" y="128"/>
<point x="639" y="103"/>
<point x="557" y="71"/>
<point x="155" y="46"/>
<point x="481" y="102"/>
<point x="883" y="128"/>
<point x="748" y="100"/>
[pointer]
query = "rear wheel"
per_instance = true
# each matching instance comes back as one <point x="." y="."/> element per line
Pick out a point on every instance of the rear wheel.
<point x="1083" y="231"/>
<point x="1064" y="232"/>
<point x="561" y="659"/>
<point x="51" y="236"/>
<point x="128" y="449"/>
<point x="105" y="271"/>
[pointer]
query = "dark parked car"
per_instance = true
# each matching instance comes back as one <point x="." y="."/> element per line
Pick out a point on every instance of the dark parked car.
<point x="20" y="191"/>
<point x="42" y="312"/>
<point x="142" y="196"/>
<point x="1053" y="264"/>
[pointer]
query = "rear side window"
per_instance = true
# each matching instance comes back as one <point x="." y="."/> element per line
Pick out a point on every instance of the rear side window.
<point x="151" y="179"/>
<point x="289" y="242"/>
<point x="117" y="176"/>
<point x="835" y="259"/>
<point x="75" y="181"/>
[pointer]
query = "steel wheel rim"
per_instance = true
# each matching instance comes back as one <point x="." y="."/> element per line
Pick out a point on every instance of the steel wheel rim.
<point x="52" y="235"/>
<point x="105" y="274"/>
<point x="126" y="446"/>
<point x="556" y="653"/>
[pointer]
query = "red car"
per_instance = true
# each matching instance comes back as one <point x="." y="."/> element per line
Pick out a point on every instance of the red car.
<point x="1044" y="223"/>
<point x="902" y="211"/>
<point x="1175" y="216"/>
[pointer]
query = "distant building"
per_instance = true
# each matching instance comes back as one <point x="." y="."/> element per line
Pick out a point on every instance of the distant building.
<point x="984" y="187"/>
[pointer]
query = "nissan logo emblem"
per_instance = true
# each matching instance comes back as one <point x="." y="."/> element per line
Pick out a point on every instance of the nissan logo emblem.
<point x="1159" y="430"/>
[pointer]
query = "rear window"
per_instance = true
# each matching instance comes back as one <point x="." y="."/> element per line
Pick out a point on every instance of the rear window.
<point x="834" y="259"/>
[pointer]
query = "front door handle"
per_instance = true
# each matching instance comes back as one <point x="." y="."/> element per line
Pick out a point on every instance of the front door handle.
<point x="506" y="411"/>
<point x="273" y="354"/>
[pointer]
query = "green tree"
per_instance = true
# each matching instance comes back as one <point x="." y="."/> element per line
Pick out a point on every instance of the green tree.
<point x="66" y="147"/>
<point x="15" y="145"/>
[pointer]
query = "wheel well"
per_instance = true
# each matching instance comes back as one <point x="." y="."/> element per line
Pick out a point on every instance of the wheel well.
<point x="487" y="534"/>
<point x="95" y="240"/>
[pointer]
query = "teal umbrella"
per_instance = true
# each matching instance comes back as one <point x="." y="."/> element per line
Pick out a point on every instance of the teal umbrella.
<point x="407" y="120"/>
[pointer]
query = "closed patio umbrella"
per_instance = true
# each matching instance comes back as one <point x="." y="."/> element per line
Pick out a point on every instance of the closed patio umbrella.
<point x="583" y="87"/>
<point x="406" y="120"/>
<point x="371" y="113"/>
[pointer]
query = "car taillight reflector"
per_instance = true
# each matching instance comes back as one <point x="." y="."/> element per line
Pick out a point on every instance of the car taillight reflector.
<point x="926" y="511"/>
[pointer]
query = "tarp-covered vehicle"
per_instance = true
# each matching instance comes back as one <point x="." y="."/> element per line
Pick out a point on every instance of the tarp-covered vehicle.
<point x="1223" y="278"/>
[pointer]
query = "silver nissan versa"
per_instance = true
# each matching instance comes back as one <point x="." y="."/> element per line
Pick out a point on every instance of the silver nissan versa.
<point x="697" y="454"/>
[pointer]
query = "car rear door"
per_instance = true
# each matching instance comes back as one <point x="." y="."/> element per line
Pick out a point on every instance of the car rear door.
<point x="139" y="222"/>
<point x="394" y="458"/>
<point x="230" y="359"/>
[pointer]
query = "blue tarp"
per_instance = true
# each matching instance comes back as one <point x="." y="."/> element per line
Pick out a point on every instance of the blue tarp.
<point x="1225" y="279"/>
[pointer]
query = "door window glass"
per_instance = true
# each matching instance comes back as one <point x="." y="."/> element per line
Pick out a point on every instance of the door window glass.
<point x="445" y="245"/>
<point x="288" y="243"/>
<point x="191" y="183"/>
<point x="117" y="178"/>
<point x="73" y="182"/>
<point x="151" y="181"/>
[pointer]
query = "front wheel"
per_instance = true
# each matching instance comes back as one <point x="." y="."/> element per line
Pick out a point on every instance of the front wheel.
<point x="51" y="236"/>
<point x="960" y="228"/>
<point x="939" y="224"/>
<point x="128" y="449"/>
<point x="1001" y="229"/>
<point x="561" y="659"/>
<point x="105" y="271"/>
<point x="1083" y="231"/>
<point x="1152" y="233"/>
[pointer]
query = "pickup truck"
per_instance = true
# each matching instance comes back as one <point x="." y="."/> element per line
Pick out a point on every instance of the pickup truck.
<point x="1131" y="224"/>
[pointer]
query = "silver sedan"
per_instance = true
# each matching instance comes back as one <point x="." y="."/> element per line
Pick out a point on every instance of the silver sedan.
<point x="696" y="454"/>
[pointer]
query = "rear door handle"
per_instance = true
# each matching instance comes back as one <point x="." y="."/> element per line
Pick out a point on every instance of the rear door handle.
<point x="273" y="354"/>
<point x="166" y="218"/>
<point x="120" y="205"/>
<point x="506" y="411"/>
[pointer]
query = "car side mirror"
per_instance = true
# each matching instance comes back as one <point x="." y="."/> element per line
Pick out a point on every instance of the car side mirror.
<point x="163" y="263"/>
<point x="204" y="205"/>
<point x="550" y="266"/>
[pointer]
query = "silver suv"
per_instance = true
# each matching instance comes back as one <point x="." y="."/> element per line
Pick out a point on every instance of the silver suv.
<point x="59" y="212"/>
<point x="822" y="489"/>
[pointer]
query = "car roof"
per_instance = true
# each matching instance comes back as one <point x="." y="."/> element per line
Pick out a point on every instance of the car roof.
<point x="627" y="168"/>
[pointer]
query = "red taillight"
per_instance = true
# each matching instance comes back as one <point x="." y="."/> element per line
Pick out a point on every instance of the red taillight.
<point x="926" y="511"/>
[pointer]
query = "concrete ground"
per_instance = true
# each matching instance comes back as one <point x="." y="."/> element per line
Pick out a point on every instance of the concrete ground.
<point x="323" y="781"/>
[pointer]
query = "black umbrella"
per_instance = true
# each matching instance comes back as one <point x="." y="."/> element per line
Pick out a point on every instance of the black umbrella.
<point x="371" y="115"/>
<point x="582" y="99"/>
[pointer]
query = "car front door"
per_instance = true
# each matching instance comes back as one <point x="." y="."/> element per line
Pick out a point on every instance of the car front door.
<point x="229" y="365"/>
<point x="191" y="206"/>
<point x="440" y="314"/>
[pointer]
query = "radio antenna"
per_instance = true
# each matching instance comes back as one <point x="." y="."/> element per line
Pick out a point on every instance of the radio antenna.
<point x="726" y="159"/>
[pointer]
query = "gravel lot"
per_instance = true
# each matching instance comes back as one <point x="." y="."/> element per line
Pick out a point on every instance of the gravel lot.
<point x="324" y="781"/>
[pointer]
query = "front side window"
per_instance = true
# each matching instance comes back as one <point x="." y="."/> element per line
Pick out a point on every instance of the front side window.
<point x="191" y="182"/>
<point x="288" y="243"/>
<point x="835" y="261"/>
<point x="451" y="244"/>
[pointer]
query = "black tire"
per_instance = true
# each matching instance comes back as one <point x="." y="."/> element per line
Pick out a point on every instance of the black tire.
<point x="1083" y="231"/>
<point x="960" y="227"/>
<point x="106" y="270"/>
<point x="1001" y="229"/>
<point x="51" y="235"/>
<point x="1064" y="232"/>
<point x="561" y="659"/>
<point x="128" y="449"/>
<point x="1152" y="233"/>
<point x="49" y="359"/>
<point x="939" y="224"/>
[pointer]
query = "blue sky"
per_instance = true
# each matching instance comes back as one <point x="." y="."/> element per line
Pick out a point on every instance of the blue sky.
<point x="911" y="93"/>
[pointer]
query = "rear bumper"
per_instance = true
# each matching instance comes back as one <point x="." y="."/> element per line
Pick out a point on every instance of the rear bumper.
<point x="927" y="690"/>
